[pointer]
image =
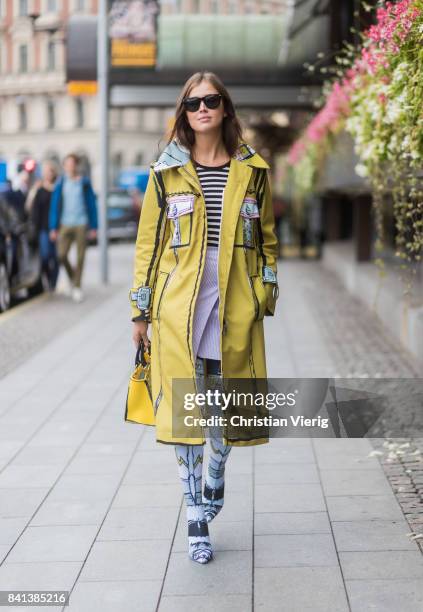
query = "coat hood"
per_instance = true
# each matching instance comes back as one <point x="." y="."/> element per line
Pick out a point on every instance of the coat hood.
<point x="176" y="154"/>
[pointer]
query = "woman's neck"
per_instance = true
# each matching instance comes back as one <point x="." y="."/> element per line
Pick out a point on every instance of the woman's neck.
<point x="209" y="149"/>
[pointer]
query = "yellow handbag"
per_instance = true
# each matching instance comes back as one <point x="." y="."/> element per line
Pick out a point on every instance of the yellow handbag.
<point x="139" y="403"/>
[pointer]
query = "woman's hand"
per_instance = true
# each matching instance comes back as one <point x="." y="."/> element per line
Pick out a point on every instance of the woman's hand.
<point x="140" y="332"/>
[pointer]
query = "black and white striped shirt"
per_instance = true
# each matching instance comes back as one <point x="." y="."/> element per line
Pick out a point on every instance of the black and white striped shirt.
<point x="213" y="180"/>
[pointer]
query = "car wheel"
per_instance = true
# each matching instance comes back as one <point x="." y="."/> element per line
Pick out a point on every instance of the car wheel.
<point x="4" y="288"/>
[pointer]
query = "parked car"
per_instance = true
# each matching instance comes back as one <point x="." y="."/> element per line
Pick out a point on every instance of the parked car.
<point x="20" y="265"/>
<point x="123" y="211"/>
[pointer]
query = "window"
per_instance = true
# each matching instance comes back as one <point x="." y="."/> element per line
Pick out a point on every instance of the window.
<point x="79" y="5"/>
<point x="51" y="56"/>
<point x="23" y="58"/>
<point x="79" y="113"/>
<point x="23" y="8"/>
<point x="23" y="123"/>
<point x="51" y="115"/>
<point x="139" y="157"/>
<point x="51" y="6"/>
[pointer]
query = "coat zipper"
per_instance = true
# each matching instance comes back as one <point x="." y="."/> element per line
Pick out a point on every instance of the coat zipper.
<point x="223" y="331"/>
<point x="256" y="307"/>
<point x="202" y="246"/>
<point x="250" y="282"/>
<point x="160" y="394"/>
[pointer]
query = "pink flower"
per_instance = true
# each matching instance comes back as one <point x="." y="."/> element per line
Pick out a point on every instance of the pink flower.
<point x="384" y="39"/>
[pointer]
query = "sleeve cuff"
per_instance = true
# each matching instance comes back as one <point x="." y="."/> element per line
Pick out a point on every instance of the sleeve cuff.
<point x="140" y="298"/>
<point x="144" y="316"/>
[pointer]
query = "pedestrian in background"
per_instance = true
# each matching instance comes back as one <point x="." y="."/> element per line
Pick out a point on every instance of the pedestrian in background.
<point x="40" y="210"/>
<point x="73" y="215"/>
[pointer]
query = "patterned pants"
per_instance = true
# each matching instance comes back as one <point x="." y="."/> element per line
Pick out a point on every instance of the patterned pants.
<point x="203" y="507"/>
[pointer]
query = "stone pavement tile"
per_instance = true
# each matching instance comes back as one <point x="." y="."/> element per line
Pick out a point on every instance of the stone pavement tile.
<point x="286" y="454"/>
<point x="104" y="449"/>
<point x="10" y="529"/>
<point x="355" y="482"/>
<point x="229" y="571"/>
<point x="224" y="535"/>
<point x="44" y="455"/>
<point x="161" y="453"/>
<point x="150" y="473"/>
<point x="79" y="487"/>
<point x="286" y="474"/>
<point x="300" y="589"/>
<point x="72" y="512"/>
<point x="359" y="507"/>
<point x="139" y="524"/>
<point x="149" y="496"/>
<point x="115" y="560"/>
<point x="16" y="433"/>
<point x="20" y="502"/>
<point x="385" y="595"/>
<point x="381" y="565"/>
<point x="211" y="603"/>
<point x="115" y="596"/>
<point x="239" y="468"/>
<point x="311" y="550"/>
<point x="347" y="462"/>
<point x="29" y="476"/>
<point x="353" y="447"/>
<point x="291" y="523"/>
<point x="112" y="434"/>
<point x="372" y="535"/>
<point x="53" y="543"/>
<point x="238" y="506"/>
<point x="235" y="482"/>
<point x="97" y="465"/>
<point x="289" y="498"/>
<point x="9" y="447"/>
<point x="38" y="576"/>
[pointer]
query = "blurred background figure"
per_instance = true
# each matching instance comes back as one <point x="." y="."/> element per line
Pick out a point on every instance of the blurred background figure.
<point x="17" y="194"/>
<point x="73" y="210"/>
<point x="15" y="199"/>
<point x="40" y="209"/>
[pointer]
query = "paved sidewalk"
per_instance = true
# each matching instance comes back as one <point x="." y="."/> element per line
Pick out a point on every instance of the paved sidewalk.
<point x="91" y="504"/>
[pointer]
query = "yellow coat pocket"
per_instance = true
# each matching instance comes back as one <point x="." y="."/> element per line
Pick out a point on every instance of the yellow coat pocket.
<point x="180" y="209"/>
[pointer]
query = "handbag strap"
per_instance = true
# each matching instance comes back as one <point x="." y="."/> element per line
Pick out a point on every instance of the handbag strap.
<point x="139" y="357"/>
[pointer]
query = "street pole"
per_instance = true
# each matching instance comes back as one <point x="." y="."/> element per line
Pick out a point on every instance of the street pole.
<point x="103" y="100"/>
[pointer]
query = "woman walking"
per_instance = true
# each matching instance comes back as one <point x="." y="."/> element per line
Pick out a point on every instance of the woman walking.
<point x="40" y="209"/>
<point x="205" y="276"/>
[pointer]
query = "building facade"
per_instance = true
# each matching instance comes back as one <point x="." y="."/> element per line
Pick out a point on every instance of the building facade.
<point x="38" y="118"/>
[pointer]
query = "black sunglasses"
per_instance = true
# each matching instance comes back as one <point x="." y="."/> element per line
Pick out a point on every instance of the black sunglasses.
<point x="193" y="104"/>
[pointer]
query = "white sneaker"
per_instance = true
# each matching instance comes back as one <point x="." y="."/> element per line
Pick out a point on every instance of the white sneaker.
<point x="77" y="294"/>
<point x="64" y="288"/>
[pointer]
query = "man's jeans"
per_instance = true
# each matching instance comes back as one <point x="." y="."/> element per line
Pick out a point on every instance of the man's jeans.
<point x="48" y="255"/>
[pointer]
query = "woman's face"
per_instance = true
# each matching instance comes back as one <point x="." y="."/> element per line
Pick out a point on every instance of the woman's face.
<point x="205" y="119"/>
<point x="48" y="173"/>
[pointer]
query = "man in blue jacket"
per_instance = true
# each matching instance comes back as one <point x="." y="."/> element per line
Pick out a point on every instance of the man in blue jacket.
<point x="73" y="211"/>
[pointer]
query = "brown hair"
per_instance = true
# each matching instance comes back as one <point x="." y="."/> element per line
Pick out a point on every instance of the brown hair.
<point x="231" y="127"/>
<point x="73" y="156"/>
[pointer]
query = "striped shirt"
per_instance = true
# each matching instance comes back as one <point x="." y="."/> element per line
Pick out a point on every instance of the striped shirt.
<point x="213" y="180"/>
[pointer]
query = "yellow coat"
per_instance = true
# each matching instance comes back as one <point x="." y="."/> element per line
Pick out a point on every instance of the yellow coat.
<point x="169" y="261"/>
